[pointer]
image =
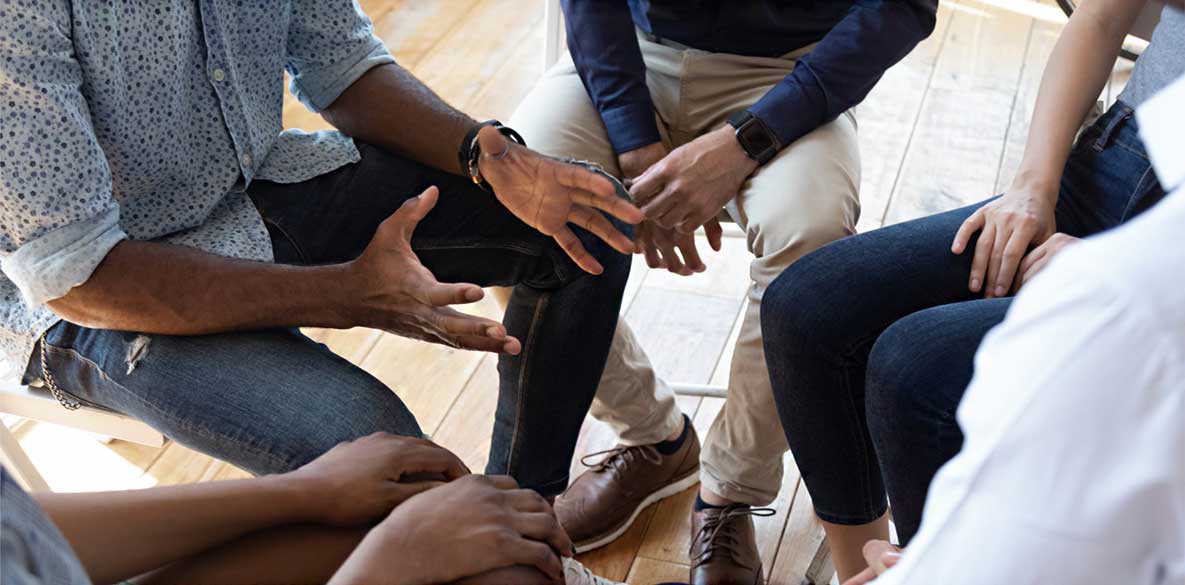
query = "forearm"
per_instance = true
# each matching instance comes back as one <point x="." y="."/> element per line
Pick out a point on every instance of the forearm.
<point x="153" y="527"/>
<point x="1076" y="72"/>
<point x="162" y="288"/>
<point x="391" y="108"/>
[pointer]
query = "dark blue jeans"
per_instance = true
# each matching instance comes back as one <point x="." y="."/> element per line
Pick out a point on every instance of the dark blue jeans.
<point x="270" y="401"/>
<point x="870" y="340"/>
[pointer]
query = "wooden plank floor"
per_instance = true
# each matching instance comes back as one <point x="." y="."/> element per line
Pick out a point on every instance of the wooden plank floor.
<point x="944" y="128"/>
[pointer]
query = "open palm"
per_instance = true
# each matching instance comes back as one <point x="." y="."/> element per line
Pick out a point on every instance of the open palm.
<point x="548" y="194"/>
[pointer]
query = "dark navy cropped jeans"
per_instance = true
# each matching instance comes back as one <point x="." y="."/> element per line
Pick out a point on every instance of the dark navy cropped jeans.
<point x="870" y="340"/>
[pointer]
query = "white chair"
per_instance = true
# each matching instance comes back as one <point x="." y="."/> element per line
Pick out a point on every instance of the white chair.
<point x="38" y="404"/>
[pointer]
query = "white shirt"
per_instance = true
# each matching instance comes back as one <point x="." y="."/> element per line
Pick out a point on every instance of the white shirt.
<point x="1073" y="468"/>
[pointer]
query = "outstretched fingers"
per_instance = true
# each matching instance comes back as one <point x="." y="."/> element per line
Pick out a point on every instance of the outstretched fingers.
<point x="441" y="294"/>
<point x="571" y="246"/>
<point x="601" y="227"/>
<point x="472" y="332"/>
<point x="598" y="192"/>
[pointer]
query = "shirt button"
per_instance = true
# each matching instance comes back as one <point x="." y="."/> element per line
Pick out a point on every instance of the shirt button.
<point x="219" y="75"/>
<point x="246" y="159"/>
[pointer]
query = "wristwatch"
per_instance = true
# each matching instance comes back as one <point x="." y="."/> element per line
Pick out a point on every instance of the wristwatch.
<point x="469" y="153"/>
<point x="755" y="137"/>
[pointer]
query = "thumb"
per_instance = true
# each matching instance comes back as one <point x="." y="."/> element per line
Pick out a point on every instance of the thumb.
<point x="413" y="210"/>
<point x="492" y="141"/>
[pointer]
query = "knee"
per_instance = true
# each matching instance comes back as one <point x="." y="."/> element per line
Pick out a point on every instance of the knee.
<point x="799" y="309"/>
<point x="779" y="246"/>
<point x="353" y="407"/>
<point x="904" y="369"/>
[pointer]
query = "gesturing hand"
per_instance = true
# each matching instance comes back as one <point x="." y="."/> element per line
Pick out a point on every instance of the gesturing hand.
<point x="548" y="194"/>
<point x="359" y="481"/>
<point x="470" y="526"/>
<point x="689" y="187"/>
<point x="880" y="556"/>
<point x="396" y="293"/>
<point x="1010" y="224"/>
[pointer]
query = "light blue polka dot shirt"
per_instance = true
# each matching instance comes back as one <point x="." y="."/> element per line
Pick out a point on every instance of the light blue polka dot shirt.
<point x="146" y="120"/>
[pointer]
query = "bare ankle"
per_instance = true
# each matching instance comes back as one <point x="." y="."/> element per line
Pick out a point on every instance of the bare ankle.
<point x="713" y="499"/>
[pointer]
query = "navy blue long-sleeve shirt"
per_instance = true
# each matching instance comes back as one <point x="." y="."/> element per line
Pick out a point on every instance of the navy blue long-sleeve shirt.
<point x="857" y="41"/>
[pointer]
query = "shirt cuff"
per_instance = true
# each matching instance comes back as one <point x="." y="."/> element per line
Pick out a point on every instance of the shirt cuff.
<point x="790" y="111"/>
<point x="631" y="127"/>
<point x="47" y="268"/>
<point x="318" y="89"/>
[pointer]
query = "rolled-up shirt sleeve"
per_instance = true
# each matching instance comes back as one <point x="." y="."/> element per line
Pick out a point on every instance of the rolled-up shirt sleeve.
<point x="58" y="215"/>
<point x="330" y="45"/>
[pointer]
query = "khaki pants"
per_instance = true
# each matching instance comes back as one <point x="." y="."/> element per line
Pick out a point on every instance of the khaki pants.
<point x="801" y="200"/>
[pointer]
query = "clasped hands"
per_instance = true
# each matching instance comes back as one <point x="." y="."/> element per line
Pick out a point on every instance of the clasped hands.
<point x="682" y="190"/>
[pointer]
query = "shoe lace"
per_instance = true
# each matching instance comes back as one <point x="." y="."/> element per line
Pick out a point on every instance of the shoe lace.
<point x="719" y="531"/>
<point x="578" y="574"/>
<point x="621" y="457"/>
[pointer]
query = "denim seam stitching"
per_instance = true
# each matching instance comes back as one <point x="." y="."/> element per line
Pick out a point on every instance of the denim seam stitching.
<point x="865" y="484"/>
<point x="295" y="245"/>
<point x="523" y="377"/>
<point x="1140" y="153"/>
<point x="1134" y="198"/>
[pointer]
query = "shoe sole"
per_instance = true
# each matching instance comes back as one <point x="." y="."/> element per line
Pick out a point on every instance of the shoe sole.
<point x="665" y="492"/>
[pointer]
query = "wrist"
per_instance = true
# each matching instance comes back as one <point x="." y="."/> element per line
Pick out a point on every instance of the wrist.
<point x="736" y="153"/>
<point x="298" y="498"/>
<point x="340" y="288"/>
<point x="1037" y="183"/>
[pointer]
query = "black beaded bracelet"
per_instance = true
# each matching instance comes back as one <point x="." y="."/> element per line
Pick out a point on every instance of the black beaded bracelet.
<point x="470" y="152"/>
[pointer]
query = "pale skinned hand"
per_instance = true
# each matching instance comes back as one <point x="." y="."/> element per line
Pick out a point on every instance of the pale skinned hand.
<point x="548" y="194"/>
<point x="880" y="556"/>
<point x="1008" y="227"/>
<point x="688" y="188"/>
<point x="396" y="293"/>
<point x="467" y="527"/>
<point x="358" y="482"/>
<point x="1040" y="257"/>
<point x="656" y="243"/>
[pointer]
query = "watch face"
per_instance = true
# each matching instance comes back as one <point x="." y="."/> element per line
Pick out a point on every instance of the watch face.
<point x="755" y="139"/>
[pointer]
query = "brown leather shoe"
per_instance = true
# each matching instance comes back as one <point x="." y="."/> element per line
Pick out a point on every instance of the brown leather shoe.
<point x="724" y="546"/>
<point x="602" y="503"/>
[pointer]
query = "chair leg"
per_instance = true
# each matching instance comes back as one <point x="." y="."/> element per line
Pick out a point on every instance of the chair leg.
<point x="699" y="390"/>
<point x="14" y="458"/>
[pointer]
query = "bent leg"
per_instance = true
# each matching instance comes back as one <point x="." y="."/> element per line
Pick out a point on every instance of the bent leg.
<point x="917" y="373"/>
<point x="803" y="199"/>
<point x="558" y="118"/>
<point x="265" y="401"/>
<point x="564" y="317"/>
<point x="820" y="319"/>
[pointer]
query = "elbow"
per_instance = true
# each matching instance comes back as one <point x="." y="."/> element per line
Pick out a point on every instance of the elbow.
<point x="925" y="13"/>
<point x="79" y="311"/>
